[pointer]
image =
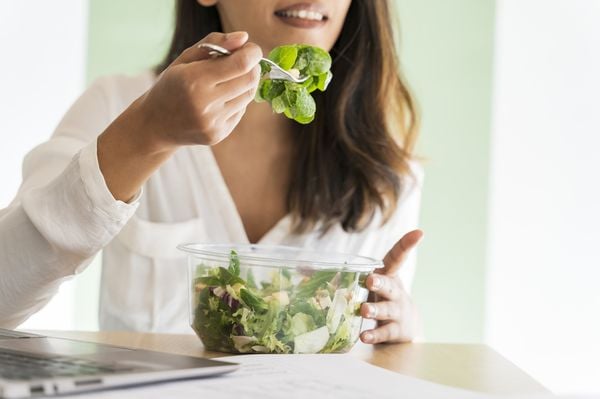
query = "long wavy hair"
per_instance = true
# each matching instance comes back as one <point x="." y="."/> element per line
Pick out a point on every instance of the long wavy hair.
<point x="352" y="160"/>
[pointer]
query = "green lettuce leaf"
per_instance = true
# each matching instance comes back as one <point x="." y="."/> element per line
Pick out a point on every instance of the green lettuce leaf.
<point x="284" y="56"/>
<point x="234" y="264"/>
<point x="293" y="99"/>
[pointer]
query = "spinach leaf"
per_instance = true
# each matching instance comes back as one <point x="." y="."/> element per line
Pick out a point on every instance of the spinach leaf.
<point x="294" y="99"/>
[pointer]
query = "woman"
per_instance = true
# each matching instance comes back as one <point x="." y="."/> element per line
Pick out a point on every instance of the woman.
<point x="214" y="166"/>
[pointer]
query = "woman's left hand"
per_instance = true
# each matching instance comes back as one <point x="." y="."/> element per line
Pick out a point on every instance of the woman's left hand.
<point x="389" y="303"/>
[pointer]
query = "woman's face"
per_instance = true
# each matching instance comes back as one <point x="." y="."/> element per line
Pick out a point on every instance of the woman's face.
<point x="271" y="23"/>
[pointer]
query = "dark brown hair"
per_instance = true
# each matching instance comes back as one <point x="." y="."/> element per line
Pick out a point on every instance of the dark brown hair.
<point x="351" y="160"/>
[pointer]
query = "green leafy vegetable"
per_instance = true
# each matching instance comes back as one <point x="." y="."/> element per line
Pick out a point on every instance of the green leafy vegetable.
<point x="319" y="279"/>
<point x="302" y="323"/>
<point x="289" y="313"/>
<point x="294" y="99"/>
<point x="234" y="264"/>
<point x="252" y="301"/>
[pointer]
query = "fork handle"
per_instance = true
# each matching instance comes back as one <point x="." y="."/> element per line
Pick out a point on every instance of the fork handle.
<point x="214" y="50"/>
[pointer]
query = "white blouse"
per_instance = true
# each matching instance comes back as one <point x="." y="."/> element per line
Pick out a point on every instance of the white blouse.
<point x="64" y="215"/>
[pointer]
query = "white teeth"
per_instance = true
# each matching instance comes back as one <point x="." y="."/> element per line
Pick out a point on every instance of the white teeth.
<point x="303" y="14"/>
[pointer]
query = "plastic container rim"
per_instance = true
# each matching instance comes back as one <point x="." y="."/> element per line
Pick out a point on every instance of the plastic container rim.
<point x="221" y="252"/>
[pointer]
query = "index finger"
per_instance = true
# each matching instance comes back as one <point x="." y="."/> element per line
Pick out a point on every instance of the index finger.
<point x="240" y="62"/>
<point x="230" y="41"/>
<point x="396" y="256"/>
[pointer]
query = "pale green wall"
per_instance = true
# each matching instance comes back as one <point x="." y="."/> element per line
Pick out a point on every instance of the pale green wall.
<point x="127" y="36"/>
<point x="446" y="49"/>
<point x="447" y="55"/>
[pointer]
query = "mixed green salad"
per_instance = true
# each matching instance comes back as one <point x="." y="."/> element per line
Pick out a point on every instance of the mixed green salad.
<point x="294" y="99"/>
<point x="317" y="314"/>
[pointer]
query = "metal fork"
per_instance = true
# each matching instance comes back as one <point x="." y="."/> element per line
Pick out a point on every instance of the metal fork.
<point x="276" y="71"/>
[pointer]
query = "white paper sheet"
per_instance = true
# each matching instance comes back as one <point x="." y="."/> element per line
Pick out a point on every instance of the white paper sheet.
<point x="299" y="376"/>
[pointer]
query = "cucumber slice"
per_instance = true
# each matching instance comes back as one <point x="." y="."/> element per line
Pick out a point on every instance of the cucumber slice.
<point x="336" y="310"/>
<point x="312" y="341"/>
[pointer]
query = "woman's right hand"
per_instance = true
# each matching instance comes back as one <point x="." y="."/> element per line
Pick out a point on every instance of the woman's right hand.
<point x="196" y="100"/>
<point x="199" y="99"/>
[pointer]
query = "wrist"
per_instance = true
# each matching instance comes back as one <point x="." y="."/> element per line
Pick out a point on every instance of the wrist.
<point x="128" y="153"/>
<point x="143" y="132"/>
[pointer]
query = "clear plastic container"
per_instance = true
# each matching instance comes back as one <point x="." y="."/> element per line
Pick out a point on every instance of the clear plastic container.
<point x="275" y="299"/>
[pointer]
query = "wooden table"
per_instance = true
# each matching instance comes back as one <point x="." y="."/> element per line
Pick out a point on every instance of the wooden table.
<point x="475" y="367"/>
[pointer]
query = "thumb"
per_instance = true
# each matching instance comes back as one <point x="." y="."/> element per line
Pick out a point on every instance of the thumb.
<point x="397" y="255"/>
<point x="231" y="41"/>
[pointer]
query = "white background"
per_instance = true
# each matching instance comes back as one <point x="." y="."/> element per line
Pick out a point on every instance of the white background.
<point x="35" y="91"/>
<point x="543" y="289"/>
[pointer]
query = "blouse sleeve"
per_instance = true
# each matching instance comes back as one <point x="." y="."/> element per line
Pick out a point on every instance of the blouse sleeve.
<point x="63" y="213"/>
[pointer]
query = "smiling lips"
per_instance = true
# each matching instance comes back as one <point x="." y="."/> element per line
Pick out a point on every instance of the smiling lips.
<point x="302" y="16"/>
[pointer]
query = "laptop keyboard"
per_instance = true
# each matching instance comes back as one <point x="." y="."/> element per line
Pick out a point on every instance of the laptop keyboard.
<point x="24" y="366"/>
<point x="16" y="334"/>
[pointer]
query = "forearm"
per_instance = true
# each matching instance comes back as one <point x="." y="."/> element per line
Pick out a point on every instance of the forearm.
<point x="51" y="232"/>
<point x="129" y="153"/>
<point x="30" y="275"/>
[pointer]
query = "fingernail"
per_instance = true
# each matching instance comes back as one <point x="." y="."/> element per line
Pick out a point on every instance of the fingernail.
<point x="371" y="311"/>
<point x="235" y="35"/>
<point x="376" y="283"/>
<point x="368" y="337"/>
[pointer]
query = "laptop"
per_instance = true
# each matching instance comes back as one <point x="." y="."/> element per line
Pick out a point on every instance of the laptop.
<point x="34" y="365"/>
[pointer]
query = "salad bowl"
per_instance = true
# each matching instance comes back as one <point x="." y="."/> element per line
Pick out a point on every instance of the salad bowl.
<point x="275" y="299"/>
